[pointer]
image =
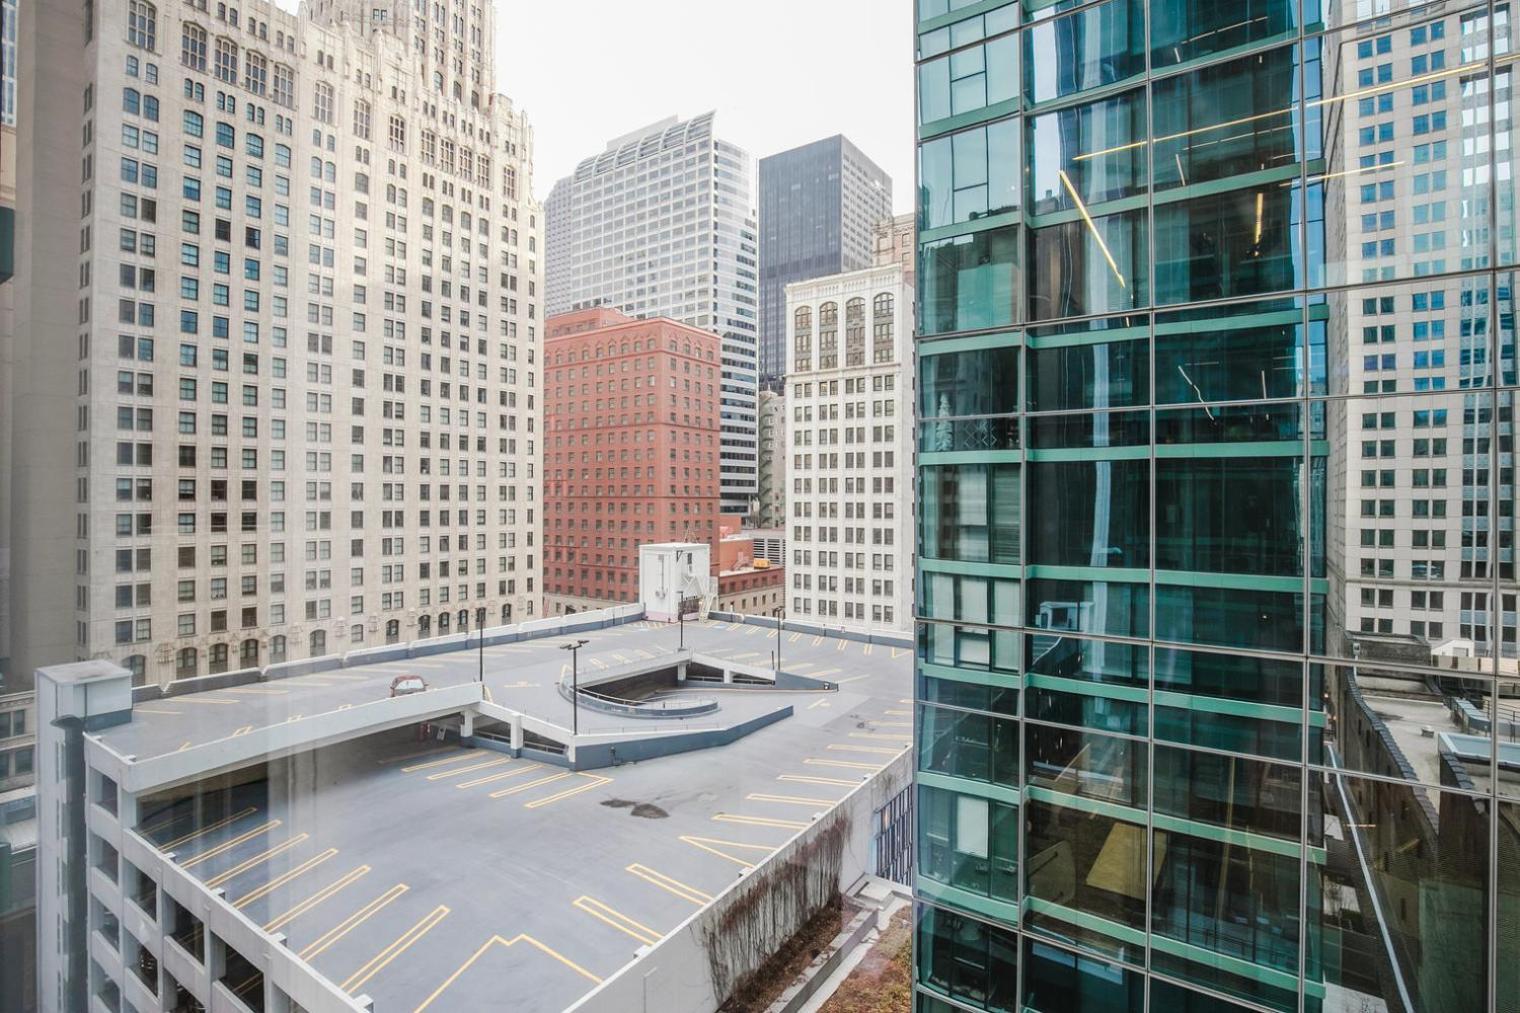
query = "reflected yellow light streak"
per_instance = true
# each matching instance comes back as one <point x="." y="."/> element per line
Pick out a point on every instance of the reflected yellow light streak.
<point x="1261" y="199"/>
<point x="1378" y="89"/>
<point x="1087" y="218"/>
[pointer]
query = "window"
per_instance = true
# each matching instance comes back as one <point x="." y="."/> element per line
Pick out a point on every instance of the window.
<point x="323" y="106"/>
<point x="255" y="73"/>
<point x="142" y="24"/>
<point x="226" y="68"/>
<point x="284" y="91"/>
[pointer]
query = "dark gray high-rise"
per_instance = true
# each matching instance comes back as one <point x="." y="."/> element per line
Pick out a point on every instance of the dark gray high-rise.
<point x="818" y="205"/>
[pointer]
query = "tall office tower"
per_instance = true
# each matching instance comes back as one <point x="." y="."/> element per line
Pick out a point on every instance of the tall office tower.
<point x="819" y="208"/>
<point x="662" y="224"/>
<point x="630" y="450"/>
<point x="276" y="331"/>
<point x="1217" y="364"/>
<point x="849" y="511"/>
<point x="770" y="502"/>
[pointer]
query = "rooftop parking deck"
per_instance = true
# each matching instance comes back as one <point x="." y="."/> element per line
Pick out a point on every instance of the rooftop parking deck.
<point x="430" y="876"/>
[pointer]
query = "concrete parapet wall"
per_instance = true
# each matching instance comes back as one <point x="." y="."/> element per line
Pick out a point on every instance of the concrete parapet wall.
<point x="676" y="969"/>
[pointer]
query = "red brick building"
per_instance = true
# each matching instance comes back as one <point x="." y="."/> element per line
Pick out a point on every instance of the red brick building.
<point x="630" y="449"/>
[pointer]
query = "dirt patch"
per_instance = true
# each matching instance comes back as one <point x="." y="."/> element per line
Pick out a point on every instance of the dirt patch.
<point x="643" y="810"/>
<point x="773" y="977"/>
<point x="882" y="981"/>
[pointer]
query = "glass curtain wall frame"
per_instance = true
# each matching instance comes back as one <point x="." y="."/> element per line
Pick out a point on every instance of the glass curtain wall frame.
<point x="1172" y="370"/>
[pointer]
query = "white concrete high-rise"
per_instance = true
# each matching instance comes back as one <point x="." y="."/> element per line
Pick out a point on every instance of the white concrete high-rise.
<point x="662" y="224"/>
<point x="849" y="508"/>
<point x="273" y="382"/>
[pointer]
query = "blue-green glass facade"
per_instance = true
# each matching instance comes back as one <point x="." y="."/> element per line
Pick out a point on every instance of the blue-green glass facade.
<point x="1218" y="682"/>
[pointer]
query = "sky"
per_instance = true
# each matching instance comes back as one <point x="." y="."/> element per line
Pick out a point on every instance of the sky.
<point x="779" y="72"/>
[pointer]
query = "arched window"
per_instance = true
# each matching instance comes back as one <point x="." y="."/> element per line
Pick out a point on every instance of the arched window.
<point x="318" y="643"/>
<point x="226" y="66"/>
<point x="277" y="649"/>
<point x="186" y="663"/>
<point x="137" y="664"/>
<point x="142" y="24"/>
<point x="392" y="631"/>
<point x="218" y="655"/>
<point x="443" y="623"/>
<point x="828" y="336"/>
<point x="464" y="620"/>
<point x="506" y="615"/>
<point x="882" y="328"/>
<point x="192" y="47"/>
<point x="248" y="654"/>
<point x="855" y="332"/>
<point x="802" y="339"/>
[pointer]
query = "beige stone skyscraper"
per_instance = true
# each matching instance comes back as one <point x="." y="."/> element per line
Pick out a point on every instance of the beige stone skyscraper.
<point x="273" y="386"/>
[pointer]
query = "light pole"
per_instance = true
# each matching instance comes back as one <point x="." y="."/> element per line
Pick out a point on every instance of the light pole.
<point x="780" y="613"/>
<point x="575" y="682"/>
<point x="480" y="621"/>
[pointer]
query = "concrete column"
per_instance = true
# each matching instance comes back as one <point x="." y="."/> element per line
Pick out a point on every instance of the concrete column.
<point x="681" y="671"/>
<point x="466" y="725"/>
<point x="728" y="675"/>
<point x="517" y="733"/>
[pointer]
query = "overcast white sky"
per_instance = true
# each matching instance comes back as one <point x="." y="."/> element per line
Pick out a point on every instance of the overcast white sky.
<point x="779" y="72"/>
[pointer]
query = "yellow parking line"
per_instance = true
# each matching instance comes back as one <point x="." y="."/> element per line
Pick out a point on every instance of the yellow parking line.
<point x="598" y="662"/>
<point x="817" y="641"/>
<point x="499" y="777"/>
<point x="596" y="909"/>
<point x="596" y="782"/>
<point x="286" y="877"/>
<point x="756" y="796"/>
<point x="866" y="649"/>
<point x="242" y="731"/>
<point x="229" y="845"/>
<point x="710" y="845"/>
<point x="828" y="671"/>
<point x="244" y="866"/>
<point x="863" y="749"/>
<point x="184" y="746"/>
<point x="323" y="894"/>
<point x="465" y="754"/>
<point x="842" y="645"/>
<point x="855" y="678"/>
<point x="153" y="710"/>
<point x="842" y="763"/>
<point x="899" y="713"/>
<point x="349" y="677"/>
<point x="898" y="652"/>
<point x="794" y="638"/>
<point x="499" y="941"/>
<point x="894" y="736"/>
<point x="207" y="701"/>
<point x="400" y="945"/>
<point x="353" y="921"/>
<point x="799" y="666"/>
<point x="805" y="779"/>
<point x="818" y="703"/>
<point x="894" y="724"/>
<point x="203" y="831"/>
<point x="266" y="690"/>
<point x="456" y="771"/>
<point x="759" y="821"/>
<point x="905" y="700"/>
<point x="670" y="884"/>
<point x="530" y="784"/>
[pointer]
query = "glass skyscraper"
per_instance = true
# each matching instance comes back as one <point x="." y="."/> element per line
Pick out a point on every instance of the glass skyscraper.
<point x="1218" y="701"/>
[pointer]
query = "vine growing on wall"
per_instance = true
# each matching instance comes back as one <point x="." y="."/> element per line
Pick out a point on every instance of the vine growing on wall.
<point x="779" y="900"/>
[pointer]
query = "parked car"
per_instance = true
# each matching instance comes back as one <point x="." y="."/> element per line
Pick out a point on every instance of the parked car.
<point x="406" y="685"/>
